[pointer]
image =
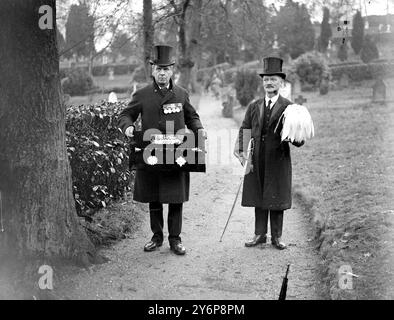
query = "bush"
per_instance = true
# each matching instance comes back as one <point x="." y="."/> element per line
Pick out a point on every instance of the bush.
<point x="369" y="50"/>
<point x="246" y="84"/>
<point x="311" y="68"/>
<point x="77" y="82"/>
<point x="98" y="155"/>
<point x="342" y="52"/>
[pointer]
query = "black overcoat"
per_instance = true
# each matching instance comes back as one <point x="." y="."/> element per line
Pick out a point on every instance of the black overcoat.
<point x="164" y="187"/>
<point x="274" y="192"/>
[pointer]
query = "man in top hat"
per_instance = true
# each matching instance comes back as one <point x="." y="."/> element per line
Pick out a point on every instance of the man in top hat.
<point x="267" y="187"/>
<point x="170" y="187"/>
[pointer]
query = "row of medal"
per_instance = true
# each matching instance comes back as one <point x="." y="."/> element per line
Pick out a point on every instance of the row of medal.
<point x="172" y="108"/>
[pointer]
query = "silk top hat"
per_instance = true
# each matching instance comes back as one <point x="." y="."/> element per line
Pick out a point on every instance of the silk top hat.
<point x="272" y="66"/>
<point x="162" y="56"/>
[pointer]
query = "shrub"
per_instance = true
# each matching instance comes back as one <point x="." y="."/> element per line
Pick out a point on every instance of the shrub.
<point x="311" y="68"/>
<point x="246" y="84"/>
<point x="369" y="50"/>
<point x="342" y="52"/>
<point x="78" y="82"/>
<point x="98" y="155"/>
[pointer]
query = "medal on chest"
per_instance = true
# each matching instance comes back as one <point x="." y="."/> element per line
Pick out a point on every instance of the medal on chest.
<point x="172" y="108"/>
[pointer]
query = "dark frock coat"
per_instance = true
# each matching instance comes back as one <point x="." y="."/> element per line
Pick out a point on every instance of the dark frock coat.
<point x="164" y="187"/>
<point x="271" y="159"/>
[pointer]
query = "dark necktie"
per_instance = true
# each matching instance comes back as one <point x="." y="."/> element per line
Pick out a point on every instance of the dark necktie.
<point x="164" y="90"/>
<point x="269" y="105"/>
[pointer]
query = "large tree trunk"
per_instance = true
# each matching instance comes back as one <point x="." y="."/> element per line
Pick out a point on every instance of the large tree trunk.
<point x="148" y="37"/>
<point x="39" y="216"/>
<point x="189" y="48"/>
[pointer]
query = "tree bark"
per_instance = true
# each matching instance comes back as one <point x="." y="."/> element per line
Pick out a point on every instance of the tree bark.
<point x="189" y="46"/>
<point x="39" y="216"/>
<point x="148" y="37"/>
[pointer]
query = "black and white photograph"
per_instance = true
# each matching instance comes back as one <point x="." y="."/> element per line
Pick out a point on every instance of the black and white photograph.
<point x="197" y="157"/>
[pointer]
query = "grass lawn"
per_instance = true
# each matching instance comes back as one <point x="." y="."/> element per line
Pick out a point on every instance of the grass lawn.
<point x="344" y="177"/>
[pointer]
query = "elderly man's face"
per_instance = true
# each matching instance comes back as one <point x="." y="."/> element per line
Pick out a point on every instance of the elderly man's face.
<point x="272" y="84"/>
<point x="162" y="75"/>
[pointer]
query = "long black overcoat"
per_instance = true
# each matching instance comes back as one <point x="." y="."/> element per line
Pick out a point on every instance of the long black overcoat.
<point x="164" y="187"/>
<point x="274" y="192"/>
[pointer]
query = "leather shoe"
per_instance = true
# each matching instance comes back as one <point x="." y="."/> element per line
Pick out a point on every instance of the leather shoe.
<point x="259" y="238"/>
<point x="152" y="246"/>
<point x="178" y="248"/>
<point x="279" y="244"/>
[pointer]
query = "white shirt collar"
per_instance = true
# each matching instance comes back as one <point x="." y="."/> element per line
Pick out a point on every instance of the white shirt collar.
<point x="273" y="100"/>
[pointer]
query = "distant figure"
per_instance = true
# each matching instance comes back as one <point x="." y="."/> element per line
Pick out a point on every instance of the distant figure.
<point x="216" y="83"/>
<point x="112" y="98"/>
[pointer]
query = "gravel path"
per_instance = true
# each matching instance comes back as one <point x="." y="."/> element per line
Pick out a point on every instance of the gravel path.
<point x="210" y="269"/>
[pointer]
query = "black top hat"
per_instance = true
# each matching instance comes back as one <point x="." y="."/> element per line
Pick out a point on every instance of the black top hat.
<point x="162" y="55"/>
<point x="272" y="66"/>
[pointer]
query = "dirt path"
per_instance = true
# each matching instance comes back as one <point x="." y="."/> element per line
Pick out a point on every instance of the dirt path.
<point x="210" y="269"/>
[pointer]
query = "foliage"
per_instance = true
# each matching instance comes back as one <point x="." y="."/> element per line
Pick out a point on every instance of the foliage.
<point x="311" y="68"/>
<point x="294" y="29"/>
<point x="342" y="52"/>
<point x="325" y="31"/>
<point x="77" y="82"/>
<point x="122" y="45"/>
<point x="359" y="72"/>
<point x="98" y="155"/>
<point x="79" y="31"/>
<point x="61" y="43"/>
<point x="103" y="70"/>
<point x="369" y="50"/>
<point x="357" y="32"/>
<point x="246" y="84"/>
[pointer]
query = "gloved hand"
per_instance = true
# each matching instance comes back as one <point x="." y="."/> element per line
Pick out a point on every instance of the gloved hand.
<point x="241" y="157"/>
<point x="129" y="132"/>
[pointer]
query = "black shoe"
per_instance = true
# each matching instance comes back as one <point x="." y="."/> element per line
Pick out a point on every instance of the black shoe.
<point x="278" y="244"/>
<point x="178" y="248"/>
<point x="259" y="238"/>
<point x="152" y="246"/>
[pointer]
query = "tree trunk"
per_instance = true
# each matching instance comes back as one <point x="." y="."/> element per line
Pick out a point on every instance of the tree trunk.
<point x="189" y="47"/>
<point x="38" y="210"/>
<point x="148" y="37"/>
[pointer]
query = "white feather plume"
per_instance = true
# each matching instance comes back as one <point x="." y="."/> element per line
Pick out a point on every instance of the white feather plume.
<point x="297" y="124"/>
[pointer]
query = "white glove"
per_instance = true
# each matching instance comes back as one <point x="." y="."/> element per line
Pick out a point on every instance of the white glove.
<point x="129" y="132"/>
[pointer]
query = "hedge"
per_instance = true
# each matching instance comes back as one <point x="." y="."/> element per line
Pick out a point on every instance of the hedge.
<point x="98" y="154"/>
<point x="103" y="70"/>
<point x="363" y="71"/>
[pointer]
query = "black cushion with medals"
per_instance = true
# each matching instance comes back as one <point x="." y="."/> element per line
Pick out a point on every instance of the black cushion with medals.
<point x="168" y="152"/>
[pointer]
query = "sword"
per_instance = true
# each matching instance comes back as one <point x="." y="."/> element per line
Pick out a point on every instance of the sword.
<point x="246" y="167"/>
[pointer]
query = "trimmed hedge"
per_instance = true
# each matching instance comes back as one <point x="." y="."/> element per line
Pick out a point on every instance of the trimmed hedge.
<point x="103" y="70"/>
<point x="98" y="154"/>
<point x="363" y="71"/>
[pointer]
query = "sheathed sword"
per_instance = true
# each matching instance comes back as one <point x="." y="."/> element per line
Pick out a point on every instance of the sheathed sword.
<point x="248" y="166"/>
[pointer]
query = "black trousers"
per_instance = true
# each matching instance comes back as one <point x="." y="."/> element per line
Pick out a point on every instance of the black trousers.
<point x="174" y="221"/>
<point x="261" y="222"/>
